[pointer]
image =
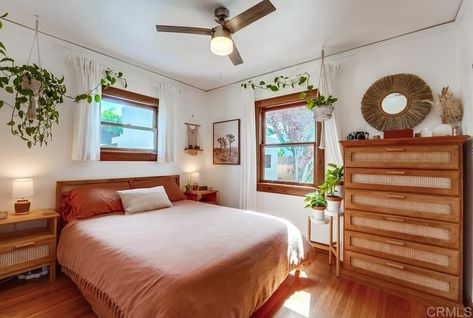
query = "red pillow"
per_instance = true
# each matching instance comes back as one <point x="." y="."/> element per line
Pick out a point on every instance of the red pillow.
<point x="172" y="189"/>
<point x="97" y="199"/>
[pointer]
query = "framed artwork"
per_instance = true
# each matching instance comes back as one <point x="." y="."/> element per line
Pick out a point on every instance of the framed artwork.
<point x="226" y="142"/>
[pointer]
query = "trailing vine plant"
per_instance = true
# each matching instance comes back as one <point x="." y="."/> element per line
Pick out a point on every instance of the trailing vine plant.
<point x="302" y="80"/>
<point x="36" y="94"/>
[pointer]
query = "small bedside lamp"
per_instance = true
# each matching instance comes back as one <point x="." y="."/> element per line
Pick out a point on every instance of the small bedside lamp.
<point x="195" y="180"/>
<point x="22" y="189"/>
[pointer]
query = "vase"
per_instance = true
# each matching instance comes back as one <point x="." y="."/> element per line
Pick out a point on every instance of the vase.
<point x="333" y="203"/>
<point x="318" y="213"/>
<point x="339" y="190"/>
<point x="323" y="112"/>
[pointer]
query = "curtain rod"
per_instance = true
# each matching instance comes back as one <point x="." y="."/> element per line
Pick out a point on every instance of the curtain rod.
<point x="104" y="54"/>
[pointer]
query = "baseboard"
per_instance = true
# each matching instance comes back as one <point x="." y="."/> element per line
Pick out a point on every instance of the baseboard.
<point x="467" y="300"/>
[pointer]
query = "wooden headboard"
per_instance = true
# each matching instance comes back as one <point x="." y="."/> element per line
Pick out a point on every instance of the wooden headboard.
<point x="63" y="187"/>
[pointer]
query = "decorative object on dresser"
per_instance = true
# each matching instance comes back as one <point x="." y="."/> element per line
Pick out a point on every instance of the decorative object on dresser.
<point x="226" y="142"/>
<point x="399" y="101"/>
<point x="451" y="109"/>
<point x="23" y="250"/>
<point x="404" y="215"/>
<point x="398" y="133"/>
<point x="205" y="196"/>
<point x="358" y="135"/>
<point x="22" y="189"/>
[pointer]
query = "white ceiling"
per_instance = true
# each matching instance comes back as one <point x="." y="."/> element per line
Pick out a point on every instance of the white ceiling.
<point x="294" y="33"/>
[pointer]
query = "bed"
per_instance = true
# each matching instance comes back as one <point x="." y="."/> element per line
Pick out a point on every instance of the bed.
<point x="190" y="260"/>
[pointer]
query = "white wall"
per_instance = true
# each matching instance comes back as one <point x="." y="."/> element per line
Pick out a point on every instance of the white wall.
<point x="423" y="54"/>
<point x="466" y="69"/>
<point x="49" y="164"/>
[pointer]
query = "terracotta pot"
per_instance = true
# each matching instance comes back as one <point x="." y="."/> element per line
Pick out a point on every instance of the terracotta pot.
<point x="318" y="213"/>
<point x="333" y="203"/>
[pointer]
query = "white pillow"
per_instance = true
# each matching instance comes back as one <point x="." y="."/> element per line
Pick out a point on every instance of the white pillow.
<point x="147" y="199"/>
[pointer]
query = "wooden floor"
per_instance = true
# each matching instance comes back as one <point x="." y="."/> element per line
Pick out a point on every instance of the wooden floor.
<point x="321" y="294"/>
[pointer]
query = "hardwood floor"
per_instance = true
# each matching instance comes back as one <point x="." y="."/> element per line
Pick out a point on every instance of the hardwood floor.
<point x="320" y="294"/>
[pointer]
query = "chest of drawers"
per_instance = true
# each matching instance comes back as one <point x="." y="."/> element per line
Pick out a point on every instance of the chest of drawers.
<point x="404" y="215"/>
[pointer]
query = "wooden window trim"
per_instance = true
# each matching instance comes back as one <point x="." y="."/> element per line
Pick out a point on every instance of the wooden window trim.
<point x="290" y="188"/>
<point x="134" y="100"/>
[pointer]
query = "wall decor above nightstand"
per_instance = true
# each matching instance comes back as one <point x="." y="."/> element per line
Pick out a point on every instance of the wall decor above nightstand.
<point x="23" y="250"/>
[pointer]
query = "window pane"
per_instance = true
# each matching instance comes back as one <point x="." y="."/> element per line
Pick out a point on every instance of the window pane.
<point x="114" y="112"/>
<point x="294" y="124"/>
<point x="289" y="164"/>
<point x="121" y="137"/>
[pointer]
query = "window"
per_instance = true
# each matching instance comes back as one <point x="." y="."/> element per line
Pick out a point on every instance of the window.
<point x="289" y="160"/>
<point x="128" y="129"/>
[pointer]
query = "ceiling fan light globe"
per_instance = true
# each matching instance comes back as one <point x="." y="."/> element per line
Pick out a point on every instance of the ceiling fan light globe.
<point x="221" y="46"/>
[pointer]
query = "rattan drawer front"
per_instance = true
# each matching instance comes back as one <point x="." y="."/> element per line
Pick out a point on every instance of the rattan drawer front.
<point x="420" y="181"/>
<point x="432" y="282"/>
<point x="24" y="253"/>
<point x="434" y="157"/>
<point x="414" y="205"/>
<point x="431" y="257"/>
<point x="423" y="231"/>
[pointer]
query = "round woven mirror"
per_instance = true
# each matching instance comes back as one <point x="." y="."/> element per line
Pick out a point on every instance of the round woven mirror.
<point x="399" y="101"/>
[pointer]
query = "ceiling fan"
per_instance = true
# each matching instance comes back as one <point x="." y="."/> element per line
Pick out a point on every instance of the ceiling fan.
<point x="221" y="42"/>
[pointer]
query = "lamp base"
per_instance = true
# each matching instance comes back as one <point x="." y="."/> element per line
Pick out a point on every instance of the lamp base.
<point x="22" y="206"/>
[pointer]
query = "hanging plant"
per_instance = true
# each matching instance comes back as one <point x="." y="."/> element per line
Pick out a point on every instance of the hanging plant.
<point x="302" y="80"/>
<point x="36" y="94"/>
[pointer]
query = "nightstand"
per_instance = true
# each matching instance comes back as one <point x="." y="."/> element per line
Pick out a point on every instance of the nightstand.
<point x="23" y="248"/>
<point x="205" y="196"/>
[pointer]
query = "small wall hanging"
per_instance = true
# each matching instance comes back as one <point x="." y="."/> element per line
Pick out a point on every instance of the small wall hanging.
<point x="193" y="139"/>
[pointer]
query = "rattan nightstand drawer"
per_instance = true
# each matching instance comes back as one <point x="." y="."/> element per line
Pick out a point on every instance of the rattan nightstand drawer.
<point x="404" y="228"/>
<point x="404" y="180"/>
<point x="425" y="280"/>
<point x="26" y="253"/>
<point x="405" y="204"/>
<point x="429" y="157"/>
<point x="426" y="256"/>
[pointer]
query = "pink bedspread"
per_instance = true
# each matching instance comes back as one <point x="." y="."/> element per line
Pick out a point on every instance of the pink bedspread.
<point x="190" y="260"/>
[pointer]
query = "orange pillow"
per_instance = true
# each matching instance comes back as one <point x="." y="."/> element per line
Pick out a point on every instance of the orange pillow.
<point x="96" y="199"/>
<point x="172" y="189"/>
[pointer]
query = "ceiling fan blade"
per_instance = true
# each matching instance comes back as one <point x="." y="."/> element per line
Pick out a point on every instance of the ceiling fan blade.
<point x="249" y="16"/>
<point x="183" y="29"/>
<point x="235" y="56"/>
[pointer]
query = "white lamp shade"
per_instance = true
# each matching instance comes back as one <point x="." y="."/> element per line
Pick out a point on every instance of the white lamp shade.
<point x="195" y="177"/>
<point x="22" y="188"/>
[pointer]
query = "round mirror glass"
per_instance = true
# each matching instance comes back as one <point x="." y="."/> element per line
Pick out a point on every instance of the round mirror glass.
<point x="394" y="103"/>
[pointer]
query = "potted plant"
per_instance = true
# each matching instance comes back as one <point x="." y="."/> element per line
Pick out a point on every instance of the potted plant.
<point x="337" y="173"/>
<point x="328" y="187"/>
<point x="317" y="202"/>
<point x="321" y="106"/>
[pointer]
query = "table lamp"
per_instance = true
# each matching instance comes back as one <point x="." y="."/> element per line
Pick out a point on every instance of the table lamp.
<point x="22" y="189"/>
<point x="195" y="180"/>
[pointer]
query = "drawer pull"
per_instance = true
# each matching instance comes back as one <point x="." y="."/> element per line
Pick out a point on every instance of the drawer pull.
<point x="393" y="172"/>
<point x="24" y="245"/>
<point x="388" y="218"/>
<point x="395" y="243"/>
<point x="395" y="149"/>
<point x="395" y="196"/>
<point x="394" y="265"/>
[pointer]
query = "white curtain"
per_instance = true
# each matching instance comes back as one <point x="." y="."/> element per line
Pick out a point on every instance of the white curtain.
<point x="168" y="101"/>
<point x="248" y="151"/>
<point x="333" y="152"/>
<point x="86" y="127"/>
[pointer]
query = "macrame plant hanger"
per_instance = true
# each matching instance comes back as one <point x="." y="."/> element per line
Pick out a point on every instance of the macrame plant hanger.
<point x="30" y="83"/>
<point x="321" y="115"/>
<point x="193" y="139"/>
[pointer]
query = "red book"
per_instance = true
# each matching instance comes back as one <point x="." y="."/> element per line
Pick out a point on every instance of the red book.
<point x="401" y="133"/>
